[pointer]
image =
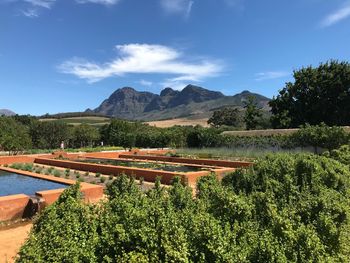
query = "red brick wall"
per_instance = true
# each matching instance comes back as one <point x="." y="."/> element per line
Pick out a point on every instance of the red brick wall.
<point x="13" y="206"/>
<point x="220" y="163"/>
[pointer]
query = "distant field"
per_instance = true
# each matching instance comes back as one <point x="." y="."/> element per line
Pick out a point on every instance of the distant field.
<point x="267" y="132"/>
<point x="180" y="122"/>
<point x="93" y="120"/>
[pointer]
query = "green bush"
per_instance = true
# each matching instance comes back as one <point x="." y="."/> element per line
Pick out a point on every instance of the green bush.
<point x="57" y="173"/>
<point x="321" y="136"/>
<point x="97" y="175"/>
<point x="287" y="208"/>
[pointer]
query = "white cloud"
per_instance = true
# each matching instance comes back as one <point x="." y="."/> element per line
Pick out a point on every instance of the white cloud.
<point x="145" y="83"/>
<point x="41" y="3"/>
<point x="271" y="75"/>
<point x="182" y="7"/>
<point x="337" y="16"/>
<point x="31" y="13"/>
<point x="103" y="2"/>
<point x="144" y="59"/>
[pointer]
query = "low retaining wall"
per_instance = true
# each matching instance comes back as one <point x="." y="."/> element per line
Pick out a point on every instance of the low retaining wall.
<point x="220" y="163"/>
<point x="189" y="178"/>
<point x="148" y="175"/>
<point x="14" y="206"/>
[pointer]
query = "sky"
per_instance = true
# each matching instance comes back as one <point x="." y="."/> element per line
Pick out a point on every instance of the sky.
<point x="70" y="55"/>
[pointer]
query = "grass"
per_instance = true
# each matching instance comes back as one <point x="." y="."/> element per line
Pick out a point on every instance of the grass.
<point x="230" y="154"/>
<point x="93" y="120"/>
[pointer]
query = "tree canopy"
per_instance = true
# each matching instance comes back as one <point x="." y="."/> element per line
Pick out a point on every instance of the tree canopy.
<point x="317" y="95"/>
<point x="227" y="116"/>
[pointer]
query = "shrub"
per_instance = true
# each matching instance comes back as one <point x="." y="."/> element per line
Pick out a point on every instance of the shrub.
<point x="103" y="179"/>
<point x="287" y="208"/>
<point x="57" y="173"/>
<point x="111" y="177"/>
<point x="97" y="175"/>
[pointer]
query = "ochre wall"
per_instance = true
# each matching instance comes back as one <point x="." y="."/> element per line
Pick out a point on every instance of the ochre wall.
<point x="220" y="163"/>
<point x="13" y="206"/>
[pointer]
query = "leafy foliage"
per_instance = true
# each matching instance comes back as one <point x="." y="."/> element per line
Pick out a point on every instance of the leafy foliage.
<point x="14" y="137"/>
<point x="317" y="95"/>
<point x="252" y="114"/>
<point x="288" y="208"/>
<point x="227" y="116"/>
<point x="321" y="136"/>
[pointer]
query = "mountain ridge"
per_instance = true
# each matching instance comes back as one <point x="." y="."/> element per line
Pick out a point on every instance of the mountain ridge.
<point x="6" y="112"/>
<point x="128" y="103"/>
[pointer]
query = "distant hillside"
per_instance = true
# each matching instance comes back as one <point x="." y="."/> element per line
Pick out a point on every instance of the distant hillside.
<point x="5" y="112"/>
<point x="194" y="101"/>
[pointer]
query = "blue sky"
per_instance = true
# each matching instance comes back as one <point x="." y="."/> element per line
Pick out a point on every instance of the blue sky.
<point x="69" y="55"/>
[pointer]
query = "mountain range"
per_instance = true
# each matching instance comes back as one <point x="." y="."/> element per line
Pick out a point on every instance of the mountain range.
<point x="5" y="112"/>
<point x="192" y="101"/>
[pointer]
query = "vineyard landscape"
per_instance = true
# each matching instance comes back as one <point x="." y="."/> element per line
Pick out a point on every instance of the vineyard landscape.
<point x="163" y="169"/>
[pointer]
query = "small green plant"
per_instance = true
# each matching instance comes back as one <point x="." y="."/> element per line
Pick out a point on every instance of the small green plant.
<point x="111" y="177"/>
<point x="28" y="167"/>
<point x="57" y="173"/>
<point x="87" y="173"/>
<point x="98" y="175"/>
<point x="103" y="179"/>
<point x="77" y="175"/>
<point x="67" y="171"/>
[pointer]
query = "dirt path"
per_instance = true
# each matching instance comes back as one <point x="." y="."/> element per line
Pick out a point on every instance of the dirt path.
<point x="11" y="240"/>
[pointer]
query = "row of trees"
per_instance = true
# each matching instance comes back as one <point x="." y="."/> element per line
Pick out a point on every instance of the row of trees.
<point x="288" y="208"/>
<point x="21" y="133"/>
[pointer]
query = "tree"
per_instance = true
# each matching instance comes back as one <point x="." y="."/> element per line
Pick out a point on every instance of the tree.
<point x="227" y="116"/>
<point x="85" y="135"/>
<point x="252" y="114"/>
<point x="50" y="134"/>
<point x="14" y="137"/>
<point x="317" y="95"/>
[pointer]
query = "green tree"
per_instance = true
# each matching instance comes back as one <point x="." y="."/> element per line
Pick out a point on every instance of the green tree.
<point x="253" y="114"/>
<point x="227" y="116"/>
<point x="317" y="95"/>
<point x="50" y="134"/>
<point x="85" y="135"/>
<point x="14" y="137"/>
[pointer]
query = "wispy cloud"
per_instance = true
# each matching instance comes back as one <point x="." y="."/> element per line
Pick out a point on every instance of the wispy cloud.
<point x="337" y="16"/>
<point x="145" y="83"/>
<point x="103" y="2"/>
<point x="144" y="59"/>
<point x="271" y="75"/>
<point x="31" y="13"/>
<point x="181" y="7"/>
<point x="41" y="3"/>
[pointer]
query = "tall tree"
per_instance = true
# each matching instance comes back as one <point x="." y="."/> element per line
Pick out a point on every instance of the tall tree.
<point x="227" y="116"/>
<point x="252" y="113"/>
<point x="14" y="137"/>
<point x="317" y="95"/>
